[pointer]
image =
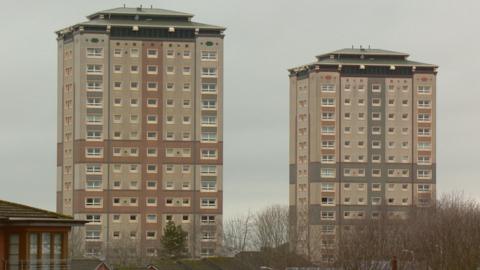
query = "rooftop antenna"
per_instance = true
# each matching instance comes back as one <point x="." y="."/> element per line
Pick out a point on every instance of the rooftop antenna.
<point x="124" y="6"/>
<point x="361" y="48"/>
<point x="151" y="6"/>
<point x="368" y="46"/>
<point x="352" y="46"/>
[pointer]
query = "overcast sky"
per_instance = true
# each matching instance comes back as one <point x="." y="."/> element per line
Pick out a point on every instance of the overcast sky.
<point x="263" y="39"/>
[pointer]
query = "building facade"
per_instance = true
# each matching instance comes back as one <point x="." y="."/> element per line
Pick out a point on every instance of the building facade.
<point x="362" y="143"/>
<point x="32" y="238"/>
<point x="140" y="96"/>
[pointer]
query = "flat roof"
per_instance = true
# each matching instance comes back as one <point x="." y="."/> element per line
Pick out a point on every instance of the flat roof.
<point x="364" y="51"/>
<point x="156" y="12"/>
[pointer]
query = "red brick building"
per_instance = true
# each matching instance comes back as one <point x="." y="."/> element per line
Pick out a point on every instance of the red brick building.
<point x="32" y="238"/>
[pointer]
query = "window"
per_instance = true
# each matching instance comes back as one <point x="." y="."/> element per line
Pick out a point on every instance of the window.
<point x="186" y="54"/>
<point x="93" y="219"/>
<point x="209" y="104"/>
<point x="152" y="102"/>
<point x="152" y="86"/>
<point x="186" y="70"/>
<point x="134" y="52"/>
<point x="117" y="85"/>
<point x="151" y="135"/>
<point x="424" y="145"/>
<point x="117" y="52"/>
<point x="92" y="235"/>
<point x="93" y="169"/>
<point x="209" y="72"/>
<point x="328" y="102"/>
<point x="328" y="159"/>
<point x="94" y="185"/>
<point x="94" y="102"/>
<point x="134" y="69"/>
<point x="209" y="137"/>
<point x="207" y="219"/>
<point x="94" y="135"/>
<point x="328" y="130"/>
<point x="186" y="120"/>
<point x="94" y="69"/>
<point x="170" y="53"/>
<point x="209" y="153"/>
<point x="423" y="117"/>
<point x="328" y="201"/>
<point x="208" y="236"/>
<point x="151" y="201"/>
<point x="376" y="201"/>
<point x="151" y="168"/>
<point x="376" y="116"/>
<point x="151" y="119"/>
<point x="328" y="116"/>
<point x="376" y="187"/>
<point x="152" y="69"/>
<point x="376" y="88"/>
<point x="423" y="132"/>
<point x="327" y="88"/>
<point x="94" y="152"/>
<point x="152" y="53"/>
<point x="423" y="89"/>
<point x="208" y="120"/>
<point x="209" y="55"/>
<point x="328" y="187"/>
<point x="94" y="52"/>
<point x="93" y="202"/>
<point x="94" y="86"/>
<point x="328" y="144"/>
<point x="151" y="218"/>
<point x="209" y="87"/>
<point x="151" y="185"/>
<point x="151" y="235"/>
<point x="208" y="170"/>
<point x="423" y="188"/>
<point x="133" y="85"/>
<point x="327" y="173"/>
<point x="208" y="203"/>
<point x="424" y="160"/>
<point x="170" y="70"/>
<point x="327" y="215"/>
<point x="424" y="174"/>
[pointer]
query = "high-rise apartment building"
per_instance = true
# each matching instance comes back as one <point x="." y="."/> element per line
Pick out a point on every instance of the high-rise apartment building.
<point x="140" y="130"/>
<point x="362" y="143"/>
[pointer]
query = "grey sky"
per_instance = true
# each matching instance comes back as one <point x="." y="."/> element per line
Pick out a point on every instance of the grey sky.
<point x="263" y="39"/>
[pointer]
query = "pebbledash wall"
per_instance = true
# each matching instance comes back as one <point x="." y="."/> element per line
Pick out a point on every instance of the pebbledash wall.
<point x="362" y="143"/>
<point x="140" y="130"/>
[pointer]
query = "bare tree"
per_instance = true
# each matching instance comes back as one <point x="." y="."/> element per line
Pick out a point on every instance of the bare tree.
<point x="125" y="252"/>
<point x="443" y="237"/>
<point x="271" y="227"/>
<point x="237" y="233"/>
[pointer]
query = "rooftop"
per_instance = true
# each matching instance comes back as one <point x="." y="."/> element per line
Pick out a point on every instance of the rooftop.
<point x="10" y="211"/>
<point x="364" y="51"/>
<point x="153" y="12"/>
<point x="141" y="17"/>
<point x="364" y="57"/>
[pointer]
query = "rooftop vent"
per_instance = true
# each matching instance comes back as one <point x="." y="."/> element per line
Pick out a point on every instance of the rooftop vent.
<point x="171" y="29"/>
<point x="139" y="8"/>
